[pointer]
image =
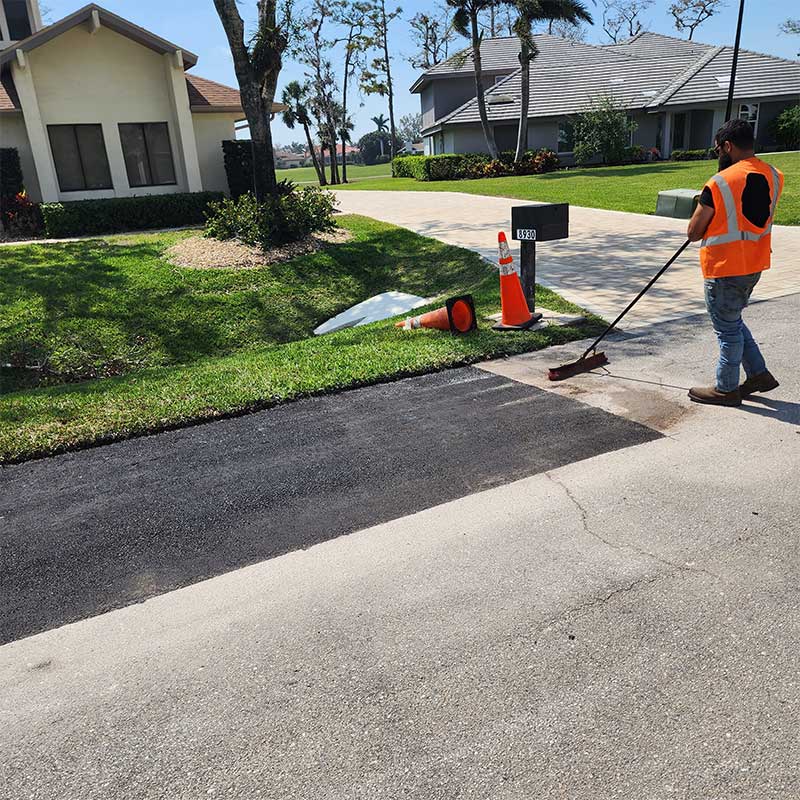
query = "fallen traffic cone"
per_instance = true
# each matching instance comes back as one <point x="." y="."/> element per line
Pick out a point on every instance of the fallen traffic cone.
<point x="516" y="316"/>
<point x="456" y="316"/>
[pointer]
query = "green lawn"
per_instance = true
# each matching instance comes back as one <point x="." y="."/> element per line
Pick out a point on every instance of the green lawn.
<point x="355" y="172"/>
<point x="185" y="345"/>
<point x="634" y="188"/>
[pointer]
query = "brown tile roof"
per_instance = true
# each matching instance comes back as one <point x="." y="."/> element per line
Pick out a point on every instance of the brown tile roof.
<point x="8" y="94"/>
<point x="206" y="95"/>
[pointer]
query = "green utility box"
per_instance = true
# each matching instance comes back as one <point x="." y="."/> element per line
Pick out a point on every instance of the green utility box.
<point x="677" y="203"/>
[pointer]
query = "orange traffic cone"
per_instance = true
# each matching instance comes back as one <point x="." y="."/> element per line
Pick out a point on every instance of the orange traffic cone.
<point x="516" y="316"/>
<point x="456" y="316"/>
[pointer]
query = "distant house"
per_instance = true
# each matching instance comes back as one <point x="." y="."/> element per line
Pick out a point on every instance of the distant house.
<point x="98" y="107"/>
<point x="675" y="90"/>
<point x="286" y="159"/>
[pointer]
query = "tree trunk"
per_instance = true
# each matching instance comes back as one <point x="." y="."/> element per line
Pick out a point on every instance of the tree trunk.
<point x="314" y="160"/>
<point x="322" y="163"/>
<point x="344" y="160"/>
<point x="525" y="95"/>
<point x="347" y="56"/>
<point x="488" y="132"/>
<point x="334" y="158"/>
<point x="257" y="92"/>
<point x="389" y="86"/>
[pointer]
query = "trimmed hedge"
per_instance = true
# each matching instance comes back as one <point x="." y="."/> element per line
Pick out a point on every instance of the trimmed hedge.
<point x="10" y="173"/>
<point x="693" y="155"/>
<point x="238" y="160"/>
<point x="88" y="217"/>
<point x="465" y="166"/>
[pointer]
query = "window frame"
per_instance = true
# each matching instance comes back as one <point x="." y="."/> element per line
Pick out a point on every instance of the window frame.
<point x="142" y="125"/>
<point x="750" y="107"/>
<point x="73" y="126"/>
<point x="30" y="17"/>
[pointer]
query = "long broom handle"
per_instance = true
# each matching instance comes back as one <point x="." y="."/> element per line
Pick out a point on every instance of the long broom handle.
<point x="637" y="298"/>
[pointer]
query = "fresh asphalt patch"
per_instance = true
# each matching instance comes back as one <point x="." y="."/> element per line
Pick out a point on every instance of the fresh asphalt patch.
<point x="87" y="532"/>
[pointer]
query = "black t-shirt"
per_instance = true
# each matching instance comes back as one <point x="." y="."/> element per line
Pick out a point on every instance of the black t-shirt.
<point x="756" y="199"/>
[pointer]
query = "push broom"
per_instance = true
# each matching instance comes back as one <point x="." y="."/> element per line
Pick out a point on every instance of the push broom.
<point x="589" y="362"/>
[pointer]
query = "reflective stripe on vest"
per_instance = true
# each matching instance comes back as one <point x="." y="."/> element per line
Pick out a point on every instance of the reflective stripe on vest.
<point x="735" y="234"/>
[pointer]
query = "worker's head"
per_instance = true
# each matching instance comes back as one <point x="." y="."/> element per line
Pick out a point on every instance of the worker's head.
<point x="734" y="141"/>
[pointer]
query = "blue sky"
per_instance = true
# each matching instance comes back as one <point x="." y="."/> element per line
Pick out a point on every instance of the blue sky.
<point x="194" y="25"/>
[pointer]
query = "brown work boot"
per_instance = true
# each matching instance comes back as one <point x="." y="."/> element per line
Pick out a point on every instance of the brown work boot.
<point x="710" y="396"/>
<point x="765" y="382"/>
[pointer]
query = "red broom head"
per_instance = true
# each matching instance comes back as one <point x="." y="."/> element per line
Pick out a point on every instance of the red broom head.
<point x="577" y="367"/>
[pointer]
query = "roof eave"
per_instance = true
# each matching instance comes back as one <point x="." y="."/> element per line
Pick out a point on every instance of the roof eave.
<point x="107" y="19"/>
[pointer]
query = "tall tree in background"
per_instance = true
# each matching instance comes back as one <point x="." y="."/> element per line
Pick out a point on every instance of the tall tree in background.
<point x="345" y="128"/>
<point x="323" y="81"/>
<point x="566" y="30"/>
<point x="378" y="78"/>
<point x="295" y="98"/>
<point x="621" y="18"/>
<point x="690" y="14"/>
<point x="432" y="34"/>
<point x="530" y="12"/>
<point x="466" y="21"/>
<point x="258" y="64"/>
<point x="351" y="15"/>
<point x="410" y="127"/>
<point x="792" y="27"/>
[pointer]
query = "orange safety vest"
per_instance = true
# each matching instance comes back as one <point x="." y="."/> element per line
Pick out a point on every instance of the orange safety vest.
<point x="733" y="245"/>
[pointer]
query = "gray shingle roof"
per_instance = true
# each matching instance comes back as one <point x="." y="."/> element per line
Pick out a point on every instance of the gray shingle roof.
<point x="500" y="56"/>
<point x="649" y="71"/>
<point x="653" y="45"/>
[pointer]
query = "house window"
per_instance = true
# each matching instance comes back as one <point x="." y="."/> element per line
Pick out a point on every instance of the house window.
<point x="19" y="23"/>
<point x="749" y="111"/>
<point x="148" y="155"/>
<point x="79" y="154"/>
<point x="566" y="137"/>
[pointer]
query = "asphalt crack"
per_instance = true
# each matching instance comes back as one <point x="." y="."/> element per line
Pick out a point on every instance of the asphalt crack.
<point x="623" y="547"/>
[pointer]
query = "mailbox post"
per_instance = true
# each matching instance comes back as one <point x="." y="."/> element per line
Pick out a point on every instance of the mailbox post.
<point x="529" y="225"/>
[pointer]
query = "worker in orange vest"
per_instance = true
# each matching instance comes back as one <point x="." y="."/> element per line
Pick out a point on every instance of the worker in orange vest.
<point x="733" y="221"/>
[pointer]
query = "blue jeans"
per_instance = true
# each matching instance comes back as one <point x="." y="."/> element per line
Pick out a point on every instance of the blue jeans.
<point x="726" y="298"/>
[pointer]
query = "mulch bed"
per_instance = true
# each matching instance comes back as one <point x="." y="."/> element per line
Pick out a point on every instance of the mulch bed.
<point x="197" y="252"/>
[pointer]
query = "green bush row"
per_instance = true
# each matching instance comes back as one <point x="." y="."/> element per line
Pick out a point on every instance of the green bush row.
<point x="89" y="217"/>
<point x="464" y="166"/>
<point x="693" y="155"/>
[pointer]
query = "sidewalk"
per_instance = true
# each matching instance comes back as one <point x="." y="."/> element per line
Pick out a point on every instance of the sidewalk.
<point x="608" y="258"/>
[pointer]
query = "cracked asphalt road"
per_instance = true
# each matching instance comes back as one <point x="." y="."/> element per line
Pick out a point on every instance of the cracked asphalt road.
<point x="623" y="626"/>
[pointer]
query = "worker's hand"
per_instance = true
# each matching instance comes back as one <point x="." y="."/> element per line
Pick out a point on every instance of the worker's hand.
<point x="698" y="224"/>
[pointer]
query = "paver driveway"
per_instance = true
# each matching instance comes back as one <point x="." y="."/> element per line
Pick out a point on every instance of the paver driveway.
<point x="609" y="256"/>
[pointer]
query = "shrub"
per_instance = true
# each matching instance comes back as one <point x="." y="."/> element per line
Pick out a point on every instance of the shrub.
<point x="10" y="173"/>
<point x="402" y="166"/>
<point x="635" y="154"/>
<point x="605" y="131"/>
<point x="88" y="217"/>
<point x="786" y="128"/>
<point x="496" y="168"/>
<point x="238" y="159"/>
<point x="384" y="159"/>
<point x="21" y="217"/>
<point x="278" y="220"/>
<point x="472" y="164"/>
<point x="693" y="155"/>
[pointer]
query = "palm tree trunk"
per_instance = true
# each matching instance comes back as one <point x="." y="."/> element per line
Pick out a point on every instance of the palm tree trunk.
<point x="525" y="97"/>
<point x="314" y="160"/>
<point x="389" y="86"/>
<point x="344" y="160"/>
<point x="488" y="132"/>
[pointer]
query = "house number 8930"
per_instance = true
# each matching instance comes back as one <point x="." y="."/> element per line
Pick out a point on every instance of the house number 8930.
<point x="526" y="234"/>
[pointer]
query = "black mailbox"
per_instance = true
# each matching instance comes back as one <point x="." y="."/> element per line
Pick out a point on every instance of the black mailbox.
<point x="543" y="223"/>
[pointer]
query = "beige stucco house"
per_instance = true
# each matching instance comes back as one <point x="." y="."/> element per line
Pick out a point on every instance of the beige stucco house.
<point x="98" y="107"/>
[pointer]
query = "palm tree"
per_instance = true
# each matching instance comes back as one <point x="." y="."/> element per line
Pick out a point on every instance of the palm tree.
<point x="528" y="13"/>
<point x="294" y="98"/>
<point x="466" y="22"/>
<point x="346" y="128"/>
<point x="382" y="124"/>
